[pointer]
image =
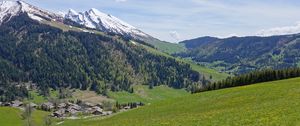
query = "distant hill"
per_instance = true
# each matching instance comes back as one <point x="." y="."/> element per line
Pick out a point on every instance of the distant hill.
<point x="243" y="54"/>
<point x="194" y="43"/>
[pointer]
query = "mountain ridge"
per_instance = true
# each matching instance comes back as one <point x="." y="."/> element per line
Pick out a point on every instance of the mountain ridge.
<point x="243" y="54"/>
<point x="8" y="9"/>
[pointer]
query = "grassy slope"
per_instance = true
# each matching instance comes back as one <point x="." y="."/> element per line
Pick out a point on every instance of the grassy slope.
<point x="144" y="94"/>
<point x="272" y="103"/>
<point x="207" y="71"/>
<point x="169" y="48"/>
<point x="201" y="69"/>
<point x="38" y="99"/>
<point x="12" y="117"/>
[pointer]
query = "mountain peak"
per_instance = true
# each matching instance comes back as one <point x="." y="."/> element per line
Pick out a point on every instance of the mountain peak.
<point x="93" y="18"/>
<point x="10" y="9"/>
<point x="73" y="12"/>
<point x="95" y="11"/>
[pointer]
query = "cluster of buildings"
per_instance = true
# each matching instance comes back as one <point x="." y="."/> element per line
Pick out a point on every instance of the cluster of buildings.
<point x="69" y="109"/>
<point x="17" y="104"/>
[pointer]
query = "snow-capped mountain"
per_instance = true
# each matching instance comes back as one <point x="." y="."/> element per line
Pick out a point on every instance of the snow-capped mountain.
<point x="9" y="9"/>
<point x="104" y="22"/>
<point x="92" y="18"/>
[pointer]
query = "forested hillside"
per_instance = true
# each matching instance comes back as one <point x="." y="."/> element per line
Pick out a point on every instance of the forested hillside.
<point x="240" y="55"/>
<point x="53" y="58"/>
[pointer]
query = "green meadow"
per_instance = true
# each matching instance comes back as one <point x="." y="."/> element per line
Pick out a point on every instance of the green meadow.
<point x="264" y="104"/>
<point x="216" y="76"/>
<point x="143" y="94"/>
<point x="12" y="117"/>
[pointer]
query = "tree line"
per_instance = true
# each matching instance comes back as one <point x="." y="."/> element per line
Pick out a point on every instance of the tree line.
<point x="252" y="78"/>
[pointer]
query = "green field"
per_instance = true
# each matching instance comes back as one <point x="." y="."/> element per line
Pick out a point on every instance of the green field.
<point x="216" y="76"/>
<point x="38" y="99"/>
<point x="169" y="48"/>
<point x="12" y="117"/>
<point x="201" y="69"/>
<point x="143" y="94"/>
<point x="265" y="104"/>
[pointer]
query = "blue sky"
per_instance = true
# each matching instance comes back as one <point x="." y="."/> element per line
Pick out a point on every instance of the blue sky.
<point x="176" y="20"/>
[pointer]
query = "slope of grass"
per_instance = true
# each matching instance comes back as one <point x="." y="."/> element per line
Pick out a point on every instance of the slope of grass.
<point x="216" y="76"/>
<point x="144" y="94"/>
<point x="169" y="48"/>
<point x="265" y="104"/>
<point x="89" y="96"/>
<point x="38" y="117"/>
<point x="38" y="99"/>
<point x="12" y="117"/>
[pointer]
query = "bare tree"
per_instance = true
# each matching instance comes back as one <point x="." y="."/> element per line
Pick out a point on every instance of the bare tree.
<point x="26" y="115"/>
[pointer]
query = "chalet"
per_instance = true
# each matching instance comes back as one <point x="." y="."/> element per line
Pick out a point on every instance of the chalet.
<point x="97" y="112"/>
<point x="75" y="107"/>
<point x="62" y="105"/>
<point x="97" y="108"/>
<point x="33" y="105"/>
<point x="72" y="111"/>
<point x="16" y="103"/>
<point x="59" y="113"/>
<point x="127" y="107"/>
<point x="99" y="105"/>
<point x="87" y="104"/>
<point x="7" y="104"/>
<point x="47" y="106"/>
<point x="106" y="113"/>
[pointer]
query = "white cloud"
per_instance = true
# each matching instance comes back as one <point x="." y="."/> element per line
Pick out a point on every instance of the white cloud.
<point x="280" y="30"/>
<point x="120" y="0"/>
<point x="175" y="35"/>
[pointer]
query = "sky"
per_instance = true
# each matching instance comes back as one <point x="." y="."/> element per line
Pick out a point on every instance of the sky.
<point x="177" y="20"/>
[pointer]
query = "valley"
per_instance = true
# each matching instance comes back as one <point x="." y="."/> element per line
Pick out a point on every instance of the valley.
<point x="248" y="105"/>
<point x="84" y="67"/>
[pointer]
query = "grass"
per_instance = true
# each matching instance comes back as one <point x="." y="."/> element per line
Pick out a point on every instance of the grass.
<point x="12" y="117"/>
<point x="38" y="117"/>
<point x="216" y="76"/>
<point x="266" y="104"/>
<point x="38" y="99"/>
<point x="169" y="48"/>
<point x="143" y="94"/>
<point x="89" y="96"/>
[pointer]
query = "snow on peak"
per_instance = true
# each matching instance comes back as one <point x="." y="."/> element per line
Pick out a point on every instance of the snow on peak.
<point x="92" y="18"/>
<point x="72" y="12"/>
<point x="96" y="19"/>
<point x="9" y="9"/>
